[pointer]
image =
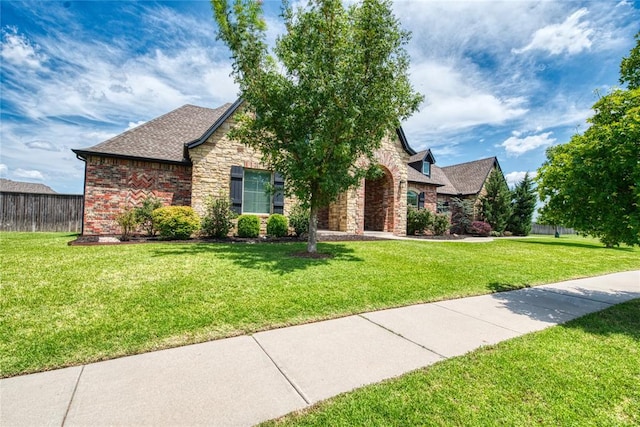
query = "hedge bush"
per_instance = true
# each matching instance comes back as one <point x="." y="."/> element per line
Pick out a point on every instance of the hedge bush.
<point x="248" y="226"/>
<point x="277" y="225"/>
<point x="176" y="222"/>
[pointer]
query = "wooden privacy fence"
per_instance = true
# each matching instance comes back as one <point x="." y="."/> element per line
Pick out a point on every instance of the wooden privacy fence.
<point x="40" y="212"/>
<point x="550" y="229"/>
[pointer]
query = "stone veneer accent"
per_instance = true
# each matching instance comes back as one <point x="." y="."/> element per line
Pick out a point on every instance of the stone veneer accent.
<point x="113" y="184"/>
<point x="211" y="167"/>
<point x="348" y="213"/>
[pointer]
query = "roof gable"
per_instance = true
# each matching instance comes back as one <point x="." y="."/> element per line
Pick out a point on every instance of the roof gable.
<point x="423" y="156"/>
<point x="161" y="139"/>
<point x="468" y="178"/>
<point x="219" y="121"/>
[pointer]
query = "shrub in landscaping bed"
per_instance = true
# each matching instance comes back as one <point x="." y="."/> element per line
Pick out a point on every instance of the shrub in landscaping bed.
<point x="248" y="226"/>
<point x="299" y="220"/>
<point x="217" y="220"/>
<point x="144" y="214"/>
<point x="418" y="220"/>
<point x="480" y="228"/>
<point x="127" y="222"/>
<point x="176" y="222"/>
<point x="277" y="225"/>
<point x="440" y="224"/>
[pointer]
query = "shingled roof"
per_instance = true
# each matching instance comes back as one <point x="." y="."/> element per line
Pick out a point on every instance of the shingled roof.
<point x="24" y="187"/>
<point x="161" y="139"/>
<point x="468" y="178"/>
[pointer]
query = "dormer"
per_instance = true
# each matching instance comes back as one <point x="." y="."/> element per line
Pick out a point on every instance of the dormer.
<point x="422" y="162"/>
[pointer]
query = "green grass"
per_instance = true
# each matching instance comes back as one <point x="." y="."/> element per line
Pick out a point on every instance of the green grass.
<point x="64" y="305"/>
<point x="583" y="373"/>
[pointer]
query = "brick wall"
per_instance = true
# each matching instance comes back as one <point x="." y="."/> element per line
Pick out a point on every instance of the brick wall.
<point x="112" y="185"/>
<point x="430" y="194"/>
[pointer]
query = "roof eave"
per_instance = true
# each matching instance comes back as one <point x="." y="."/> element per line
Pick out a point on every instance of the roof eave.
<point x="404" y="142"/>
<point x="223" y="118"/>
<point x="83" y="154"/>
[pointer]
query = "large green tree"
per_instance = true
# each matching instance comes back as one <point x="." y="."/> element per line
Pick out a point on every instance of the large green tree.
<point x="522" y="207"/>
<point x="592" y="183"/>
<point x="496" y="202"/>
<point x="339" y="85"/>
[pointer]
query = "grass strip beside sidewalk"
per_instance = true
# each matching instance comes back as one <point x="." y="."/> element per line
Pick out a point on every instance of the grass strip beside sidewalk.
<point x="586" y="372"/>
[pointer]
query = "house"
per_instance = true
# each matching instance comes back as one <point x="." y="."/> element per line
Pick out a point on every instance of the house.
<point x="185" y="156"/>
<point x="433" y="187"/>
<point x="9" y="186"/>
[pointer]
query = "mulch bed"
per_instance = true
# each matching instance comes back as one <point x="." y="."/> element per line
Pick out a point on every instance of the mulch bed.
<point x="113" y="240"/>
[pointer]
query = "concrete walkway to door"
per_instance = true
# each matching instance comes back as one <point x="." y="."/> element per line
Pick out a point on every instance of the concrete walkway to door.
<point x="244" y="380"/>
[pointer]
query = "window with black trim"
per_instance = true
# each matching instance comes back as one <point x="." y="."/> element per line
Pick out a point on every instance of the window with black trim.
<point x="412" y="198"/>
<point x="256" y="197"/>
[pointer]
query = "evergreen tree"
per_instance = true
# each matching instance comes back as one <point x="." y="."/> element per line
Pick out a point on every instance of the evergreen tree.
<point x="496" y="203"/>
<point x="524" y="204"/>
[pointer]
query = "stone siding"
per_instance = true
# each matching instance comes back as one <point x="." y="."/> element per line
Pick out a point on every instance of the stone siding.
<point x="212" y="162"/>
<point x="113" y="184"/>
<point x="348" y="213"/>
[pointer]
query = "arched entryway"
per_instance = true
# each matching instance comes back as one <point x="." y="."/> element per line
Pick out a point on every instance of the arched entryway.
<point x="379" y="203"/>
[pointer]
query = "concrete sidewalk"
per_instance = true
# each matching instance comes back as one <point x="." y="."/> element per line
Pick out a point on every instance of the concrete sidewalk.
<point x="245" y="380"/>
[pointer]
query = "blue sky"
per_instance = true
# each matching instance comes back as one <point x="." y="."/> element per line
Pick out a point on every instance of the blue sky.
<point x="501" y="78"/>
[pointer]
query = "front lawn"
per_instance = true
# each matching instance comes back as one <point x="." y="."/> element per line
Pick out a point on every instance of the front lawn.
<point x="583" y="373"/>
<point x="63" y="305"/>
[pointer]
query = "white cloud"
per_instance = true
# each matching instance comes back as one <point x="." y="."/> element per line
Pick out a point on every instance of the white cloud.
<point x="3" y="169"/>
<point x="515" y="146"/>
<point x="29" y="174"/>
<point x="42" y="145"/>
<point x="136" y="124"/>
<point x="457" y="99"/>
<point x="19" y="51"/>
<point x="514" y="178"/>
<point x="571" y="36"/>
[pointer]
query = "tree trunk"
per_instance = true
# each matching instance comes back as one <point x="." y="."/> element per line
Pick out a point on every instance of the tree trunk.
<point x="312" y="242"/>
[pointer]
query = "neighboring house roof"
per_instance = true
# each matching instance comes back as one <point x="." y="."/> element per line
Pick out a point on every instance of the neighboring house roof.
<point x="24" y="187"/>
<point x="161" y="139"/>
<point x="468" y="178"/>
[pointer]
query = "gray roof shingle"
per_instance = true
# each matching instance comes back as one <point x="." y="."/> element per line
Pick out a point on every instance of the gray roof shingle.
<point x="464" y="179"/>
<point x="162" y="138"/>
<point x="24" y="187"/>
<point x="468" y="178"/>
<point x="415" y="176"/>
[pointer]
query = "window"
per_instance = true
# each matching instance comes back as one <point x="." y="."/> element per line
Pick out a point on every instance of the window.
<point x="426" y="168"/>
<point x="255" y="196"/>
<point x="412" y="199"/>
